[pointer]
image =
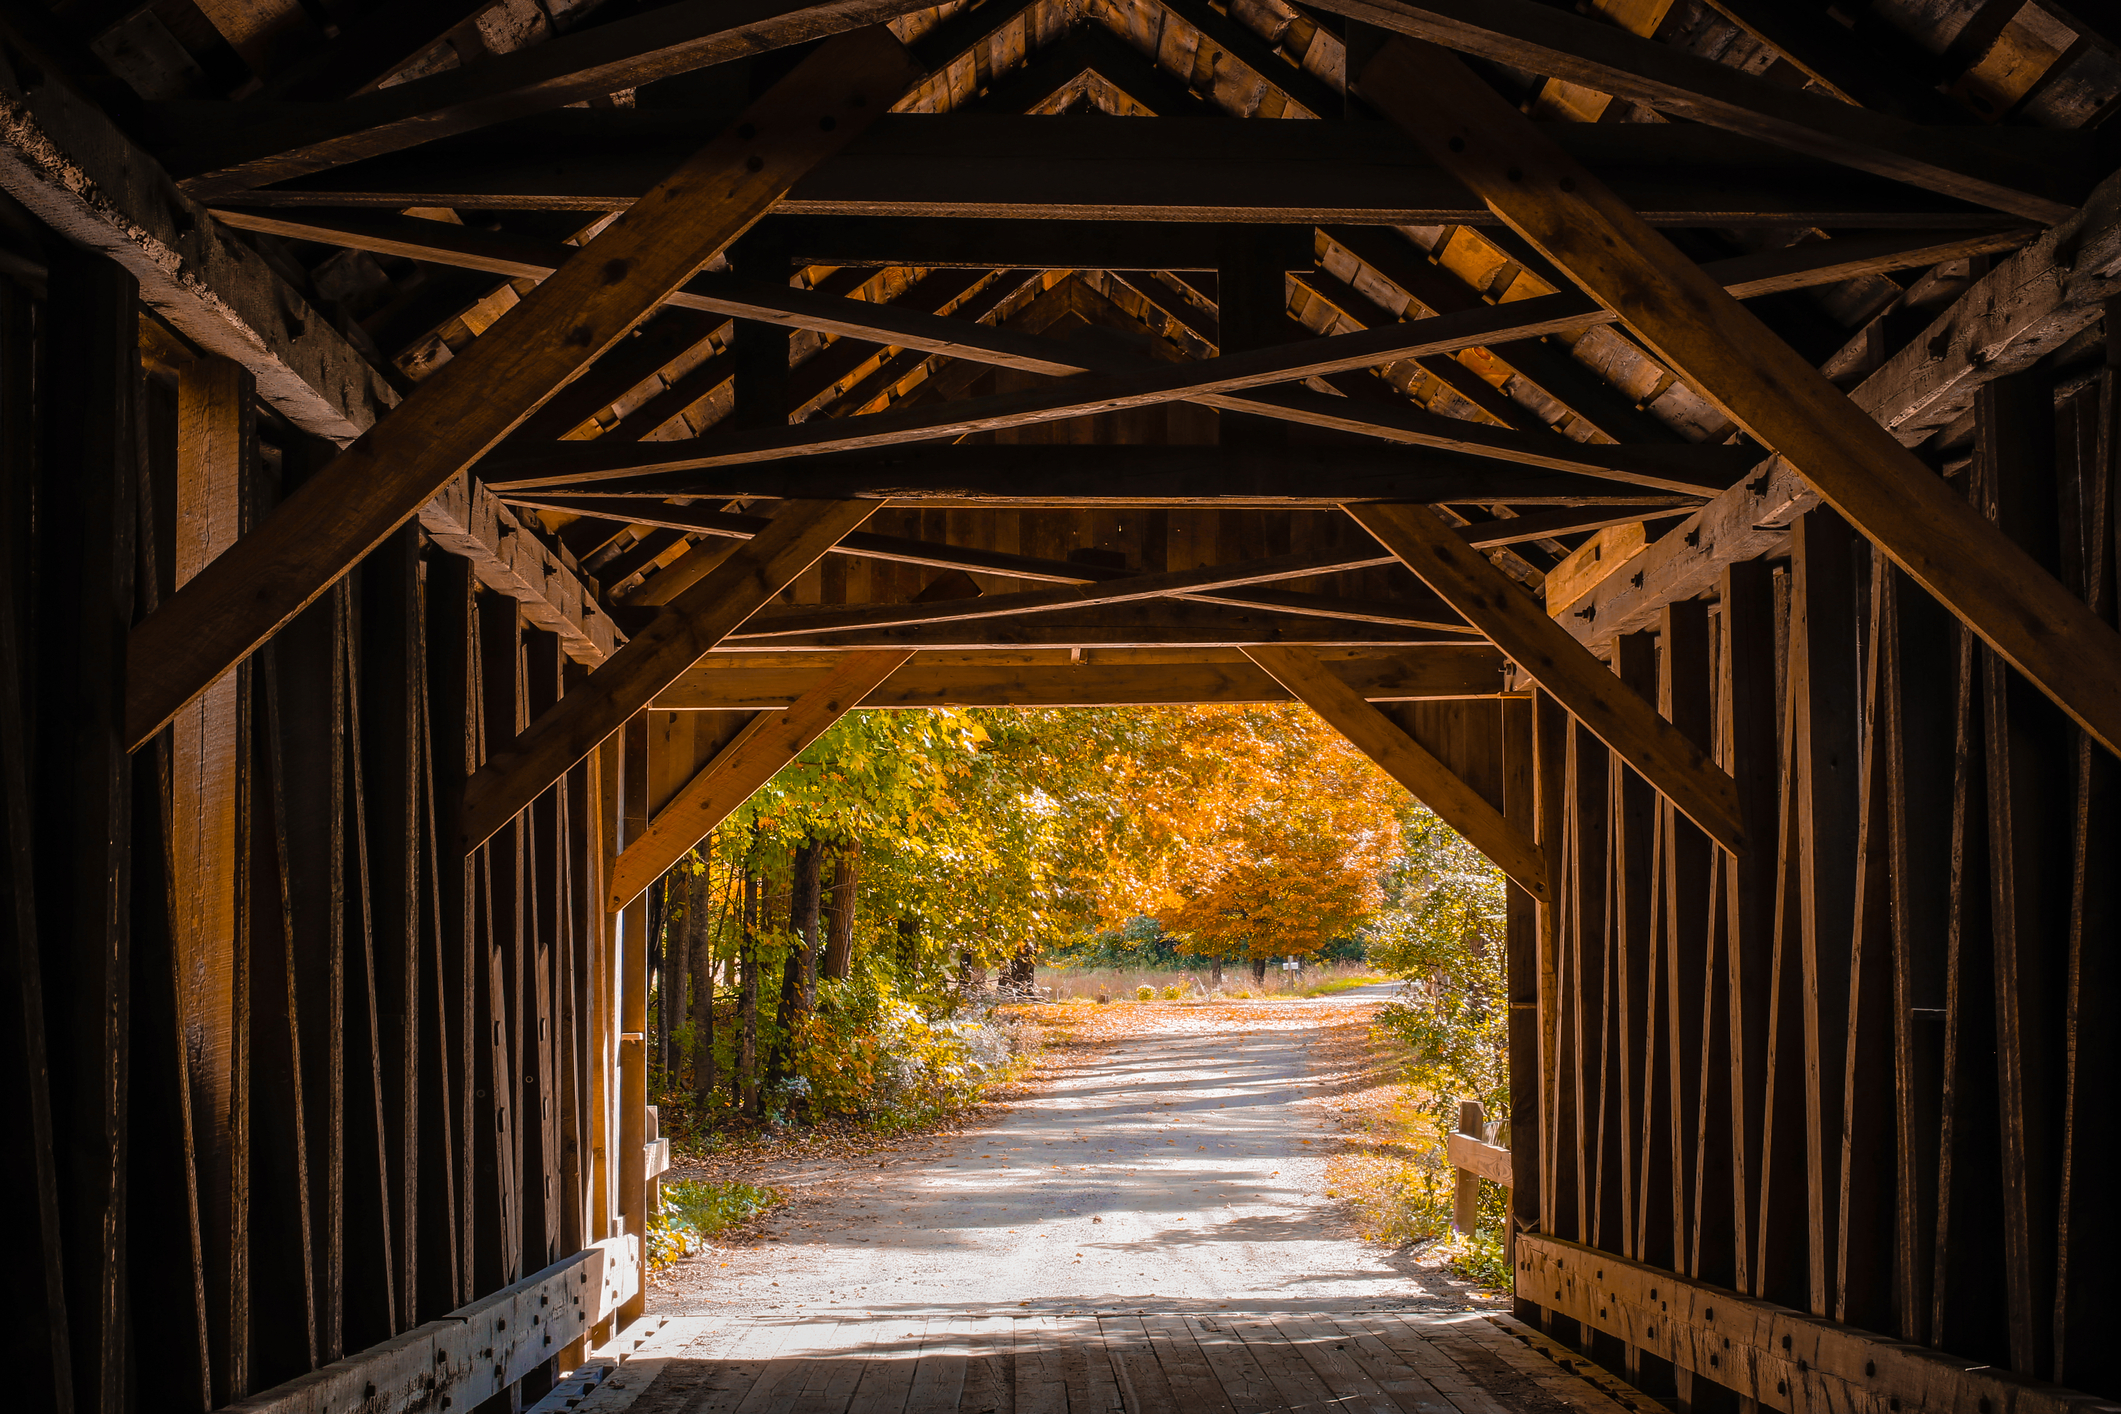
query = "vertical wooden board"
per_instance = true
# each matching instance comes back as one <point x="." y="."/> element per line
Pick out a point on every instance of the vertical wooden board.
<point x="1827" y="691"/>
<point x="1862" y="1277"/>
<point x="1633" y="956"/>
<point x="2090" y="1234"/>
<point x="1968" y="1312"/>
<point x="2030" y="796"/>
<point x="1549" y="778"/>
<point x="1685" y="696"/>
<point x="1745" y="734"/>
<point x="544" y="1024"/>
<point x="84" y="552"/>
<point x="453" y="695"/>
<point x="216" y="445"/>
<point x="1584" y="979"/>
<point x="1521" y="942"/>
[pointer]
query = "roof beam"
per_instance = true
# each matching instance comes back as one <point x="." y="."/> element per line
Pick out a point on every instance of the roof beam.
<point x="1518" y="625"/>
<point x="1154" y="623"/>
<point x="906" y="550"/>
<point x="1957" y="162"/>
<point x="687" y="629"/>
<point x="1900" y="505"/>
<point x="993" y="166"/>
<point x="474" y="400"/>
<point x="224" y="148"/>
<point x="1407" y="761"/>
<point x="1051" y="475"/>
<point x="765" y="681"/>
<point x="766" y="743"/>
<point x="67" y="164"/>
<point x="1199" y="584"/>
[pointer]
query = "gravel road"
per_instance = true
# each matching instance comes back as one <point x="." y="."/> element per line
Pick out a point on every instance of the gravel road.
<point x="1179" y="1167"/>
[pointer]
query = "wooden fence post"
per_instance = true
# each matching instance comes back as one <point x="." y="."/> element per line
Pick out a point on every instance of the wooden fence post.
<point x="1465" y="1198"/>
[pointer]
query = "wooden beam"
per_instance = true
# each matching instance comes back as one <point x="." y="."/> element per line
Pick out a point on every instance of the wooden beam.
<point x="1783" y="1359"/>
<point x="765" y="682"/>
<point x="683" y="633"/>
<point x="1959" y="162"/>
<point x="1408" y="762"/>
<point x="1903" y="507"/>
<point x="2022" y="310"/>
<point x="900" y="549"/>
<point x="1312" y="474"/>
<point x="1154" y="623"/>
<point x="477" y="397"/>
<point x="768" y="742"/>
<point x="1518" y="625"/>
<point x="992" y="166"/>
<point x="790" y="620"/>
<point x="216" y="152"/>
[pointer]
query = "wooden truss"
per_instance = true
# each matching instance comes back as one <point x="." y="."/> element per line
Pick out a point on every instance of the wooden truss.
<point x="776" y="360"/>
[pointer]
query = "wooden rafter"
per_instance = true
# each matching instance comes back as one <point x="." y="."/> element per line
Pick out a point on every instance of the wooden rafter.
<point x="1970" y="566"/>
<point x="260" y="143"/>
<point x="477" y="398"/>
<point x="1978" y="165"/>
<point x="1519" y="626"/>
<point x="767" y="742"/>
<point x="1004" y="678"/>
<point x="1321" y="474"/>
<point x="687" y="629"/>
<point x="1000" y="165"/>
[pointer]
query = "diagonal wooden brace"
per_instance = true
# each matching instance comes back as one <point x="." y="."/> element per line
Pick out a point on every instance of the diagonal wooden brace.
<point x="1404" y="759"/>
<point x="1493" y="603"/>
<point x="686" y="631"/>
<point x="1766" y="387"/>
<point x="477" y="398"/>
<point x="768" y="742"/>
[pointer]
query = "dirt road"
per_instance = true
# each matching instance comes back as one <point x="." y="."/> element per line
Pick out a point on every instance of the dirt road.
<point x="1179" y="1165"/>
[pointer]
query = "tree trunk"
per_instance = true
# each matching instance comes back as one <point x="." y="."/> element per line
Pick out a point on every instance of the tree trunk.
<point x="1259" y="971"/>
<point x="1215" y="972"/>
<point x="747" y="1057"/>
<point x="839" y="936"/>
<point x="1021" y="977"/>
<point x="699" y="932"/>
<point x="669" y="936"/>
<point x="803" y="919"/>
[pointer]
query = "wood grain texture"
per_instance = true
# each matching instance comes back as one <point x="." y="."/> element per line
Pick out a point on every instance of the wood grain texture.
<point x="1609" y="60"/>
<point x="469" y="405"/>
<point x="685" y="631"/>
<point x="1408" y="762"/>
<point x="1765" y="386"/>
<point x="1518" y="626"/>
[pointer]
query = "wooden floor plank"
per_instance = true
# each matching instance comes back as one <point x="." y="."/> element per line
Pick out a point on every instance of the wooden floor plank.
<point x="738" y="1365"/>
<point x="1141" y="1381"/>
<point x="939" y="1374"/>
<point x="1495" y="1360"/>
<point x="887" y="1375"/>
<point x="1291" y="1375"/>
<point x="801" y="1353"/>
<point x="1238" y="1371"/>
<point x="829" y="1383"/>
<point x="990" y="1383"/>
<point x="1086" y="1370"/>
<point x="1186" y="1369"/>
<point x="1394" y="1373"/>
<point x="1041" y="1384"/>
<point x="1408" y="1338"/>
<point x="1325" y="1349"/>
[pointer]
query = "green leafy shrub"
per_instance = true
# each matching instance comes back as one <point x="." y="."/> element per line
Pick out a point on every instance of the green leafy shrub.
<point x="694" y="1211"/>
<point x="1145" y="993"/>
<point x="1173" y="992"/>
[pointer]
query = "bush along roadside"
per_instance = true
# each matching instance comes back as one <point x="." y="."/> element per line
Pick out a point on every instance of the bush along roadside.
<point x="694" y="1211"/>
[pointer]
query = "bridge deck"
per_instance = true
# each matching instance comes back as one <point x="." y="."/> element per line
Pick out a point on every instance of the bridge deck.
<point x="1141" y="1363"/>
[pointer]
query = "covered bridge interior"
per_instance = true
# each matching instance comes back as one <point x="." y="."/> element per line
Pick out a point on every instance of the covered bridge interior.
<point x="453" y="452"/>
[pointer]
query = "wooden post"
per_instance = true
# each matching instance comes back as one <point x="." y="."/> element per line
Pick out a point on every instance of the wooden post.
<point x="632" y="1166"/>
<point x="1465" y="1193"/>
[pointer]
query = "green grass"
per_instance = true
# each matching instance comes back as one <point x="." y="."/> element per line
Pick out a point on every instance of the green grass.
<point x="1341" y="984"/>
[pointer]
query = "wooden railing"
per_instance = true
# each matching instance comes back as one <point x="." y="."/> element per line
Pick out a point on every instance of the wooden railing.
<point x="1474" y="1158"/>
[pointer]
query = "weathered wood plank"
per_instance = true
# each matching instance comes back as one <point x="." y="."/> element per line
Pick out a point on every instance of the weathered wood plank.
<point x="475" y="399"/>
<point x="1765" y="386"/>
<point x="1518" y="626"/>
